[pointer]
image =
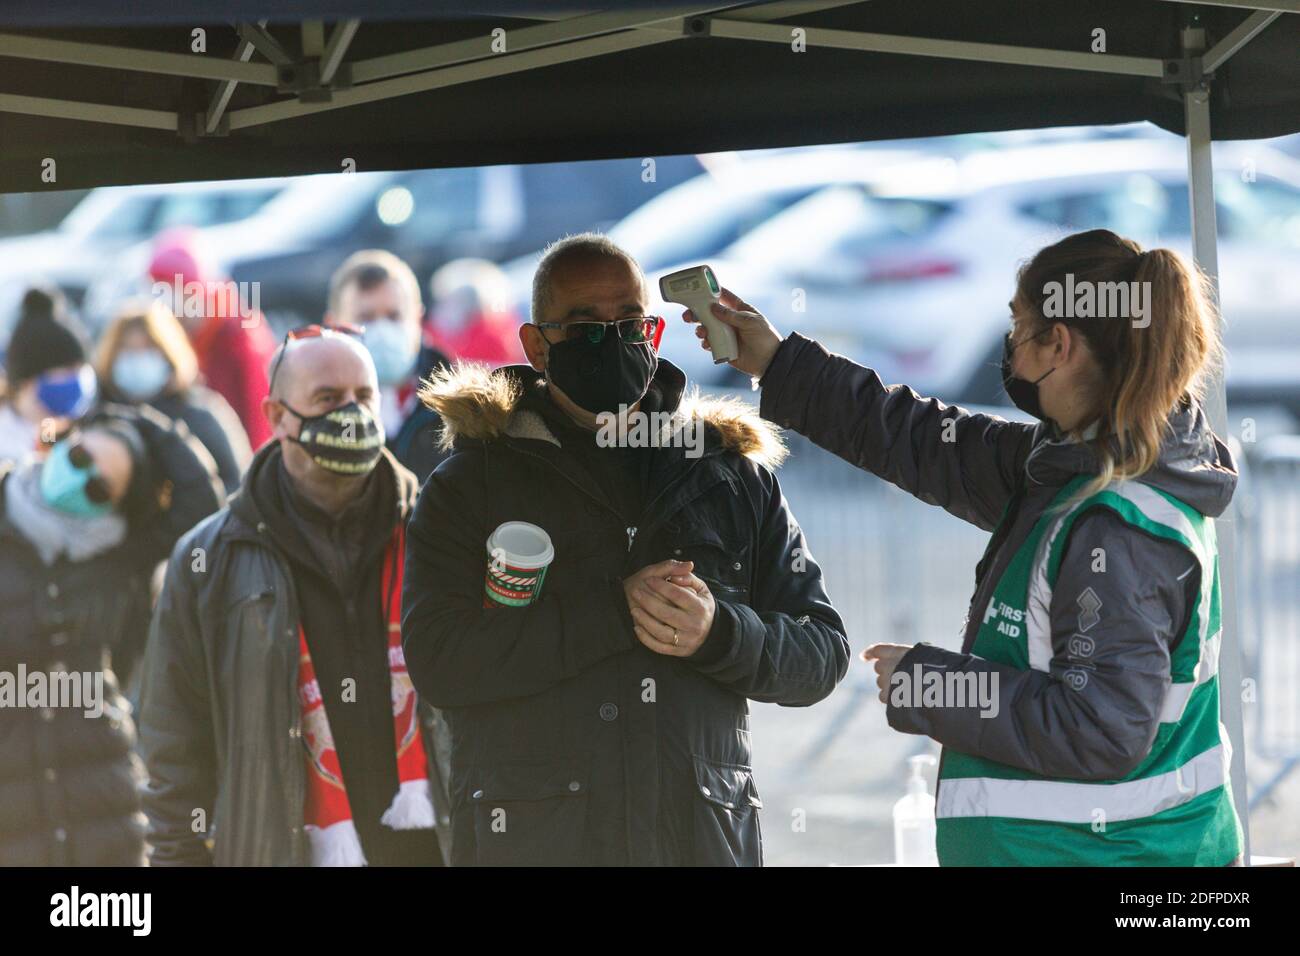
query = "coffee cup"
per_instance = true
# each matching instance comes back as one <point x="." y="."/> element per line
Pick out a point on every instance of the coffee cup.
<point x="518" y="555"/>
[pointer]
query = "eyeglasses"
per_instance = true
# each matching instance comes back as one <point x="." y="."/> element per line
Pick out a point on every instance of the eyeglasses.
<point x="313" y="331"/>
<point x="96" y="487"/>
<point x="636" y="330"/>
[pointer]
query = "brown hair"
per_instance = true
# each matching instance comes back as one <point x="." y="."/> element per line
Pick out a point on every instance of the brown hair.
<point x="369" y="268"/>
<point x="1145" y="371"/>
<point x="164" y="331"/>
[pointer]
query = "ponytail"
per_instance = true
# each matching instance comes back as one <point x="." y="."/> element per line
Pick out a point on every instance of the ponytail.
<point x="1152" y="360"/>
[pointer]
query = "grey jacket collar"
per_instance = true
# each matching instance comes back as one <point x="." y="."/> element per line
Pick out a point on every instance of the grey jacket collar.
<point x="1194" y="465"/>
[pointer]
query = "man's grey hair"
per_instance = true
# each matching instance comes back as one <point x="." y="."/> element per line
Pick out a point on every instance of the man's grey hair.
<point x="581" y="244"/>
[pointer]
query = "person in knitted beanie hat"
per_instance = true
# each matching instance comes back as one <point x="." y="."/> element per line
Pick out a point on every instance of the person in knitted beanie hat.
<point x="50" y="383"/>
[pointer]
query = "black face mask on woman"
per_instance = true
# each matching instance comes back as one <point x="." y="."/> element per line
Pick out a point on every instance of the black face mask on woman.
<point x="604" y="375"/>
<point x="1022" y="392"/>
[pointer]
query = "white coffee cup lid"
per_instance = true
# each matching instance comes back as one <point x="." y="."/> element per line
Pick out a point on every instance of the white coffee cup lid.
<point x="521" y="545"/>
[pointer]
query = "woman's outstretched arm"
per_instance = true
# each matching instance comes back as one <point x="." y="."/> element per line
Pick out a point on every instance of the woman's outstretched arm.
<point x="966" y="463"/>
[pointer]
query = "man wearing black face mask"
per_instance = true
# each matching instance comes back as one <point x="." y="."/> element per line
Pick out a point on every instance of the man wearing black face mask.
<point x="275" y="685"/>
<point x="606" y="722"/>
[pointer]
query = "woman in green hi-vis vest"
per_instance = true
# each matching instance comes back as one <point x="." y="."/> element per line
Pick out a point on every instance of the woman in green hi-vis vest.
<point x="1080" y="721"/>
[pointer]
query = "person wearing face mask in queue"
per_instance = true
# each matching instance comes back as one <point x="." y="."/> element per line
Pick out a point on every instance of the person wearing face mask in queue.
<point x="376" y="291"/>
<point x="145" y="357"/>
<point x="231" y="339"/>
<point x="471" y="316"/>
<point x="607" y="722"/>
<point x="80" y="534"/>
<point x="1096" y="609"/>
<point x="291" y="714"/>
<point x="49" y="383"/>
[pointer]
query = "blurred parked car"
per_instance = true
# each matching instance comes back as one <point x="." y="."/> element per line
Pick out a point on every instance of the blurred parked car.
<point x="743" y="190"/>
<point x="704" y="215"/>
<point x="87" y="244"/>
<point x="911" y="274"/>
<point x="427" y="217"/>
<point x="699" y="218"/>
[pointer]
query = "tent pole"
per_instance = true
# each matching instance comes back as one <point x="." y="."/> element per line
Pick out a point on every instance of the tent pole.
<point x="199" y="66"/>
<point x="1246" y="31"/>
<point x="826" y="37"/>
<point x="1280" y="6"/>
<point x="1200" y="189"/>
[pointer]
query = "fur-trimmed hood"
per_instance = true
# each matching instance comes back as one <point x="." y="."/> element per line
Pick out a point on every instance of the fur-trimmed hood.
<point x="483" y="404"/>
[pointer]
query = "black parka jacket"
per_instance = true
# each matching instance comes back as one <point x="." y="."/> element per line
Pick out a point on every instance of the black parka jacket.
<point x="572" y="743"/>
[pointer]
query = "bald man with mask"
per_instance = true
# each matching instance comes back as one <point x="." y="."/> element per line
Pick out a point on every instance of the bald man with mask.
<point x="276" y="707"/>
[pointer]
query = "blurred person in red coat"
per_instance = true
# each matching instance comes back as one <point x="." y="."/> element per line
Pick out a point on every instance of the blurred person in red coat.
<point x="472" y="317"/>
<point x="228" y="331"/>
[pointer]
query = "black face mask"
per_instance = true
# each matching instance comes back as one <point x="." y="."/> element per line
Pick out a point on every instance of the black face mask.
<point x="347" y="440"/>
<point x="1022" y="392"/>
<point x="602" y="376"/>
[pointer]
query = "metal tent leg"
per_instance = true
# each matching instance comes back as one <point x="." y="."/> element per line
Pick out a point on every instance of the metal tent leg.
<point x="1200" y="177"/>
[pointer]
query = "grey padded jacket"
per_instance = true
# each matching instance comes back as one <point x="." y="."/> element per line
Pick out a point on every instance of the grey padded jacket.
<point x="980" y="467"/>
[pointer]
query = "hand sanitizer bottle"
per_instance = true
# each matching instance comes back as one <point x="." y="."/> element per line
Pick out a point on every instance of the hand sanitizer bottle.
<point x="914" y="828"/>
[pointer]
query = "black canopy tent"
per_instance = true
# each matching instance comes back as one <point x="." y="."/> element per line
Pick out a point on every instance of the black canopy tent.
<point x="118" y="96"/>
<point x="90" y="96"/>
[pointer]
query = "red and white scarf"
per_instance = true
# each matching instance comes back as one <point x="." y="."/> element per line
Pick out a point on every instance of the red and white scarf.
<point x="327" y="815"/>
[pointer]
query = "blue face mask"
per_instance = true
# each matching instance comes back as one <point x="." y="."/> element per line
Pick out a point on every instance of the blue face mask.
<point x="68" y="394"/>
<point x="389" y="344"/>
<point x="141" y="373"/>
<point x="71" y="483"/>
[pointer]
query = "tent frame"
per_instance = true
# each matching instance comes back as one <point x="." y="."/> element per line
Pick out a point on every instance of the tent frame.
<point x="322" y="79"/>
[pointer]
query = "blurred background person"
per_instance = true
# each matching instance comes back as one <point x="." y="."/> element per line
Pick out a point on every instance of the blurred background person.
<point x="145" y="357"/>
<point x="80" y="534"/>
<point x="233" y="349"/>
<point x="377" y="292"/>
<point x="49" y="381"/>
<point x="472" y="317"/>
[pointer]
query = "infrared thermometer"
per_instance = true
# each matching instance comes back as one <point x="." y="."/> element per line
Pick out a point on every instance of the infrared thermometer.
<point x="697" y="288"/>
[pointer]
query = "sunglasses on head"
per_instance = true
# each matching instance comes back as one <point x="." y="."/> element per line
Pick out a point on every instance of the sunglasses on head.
<point x="96" y="487"/>
<point x="637" y="330"/>
<point x="313" y="331"/>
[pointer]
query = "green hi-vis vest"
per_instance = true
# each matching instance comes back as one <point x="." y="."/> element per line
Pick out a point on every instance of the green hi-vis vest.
<point x="1175" y="809"/>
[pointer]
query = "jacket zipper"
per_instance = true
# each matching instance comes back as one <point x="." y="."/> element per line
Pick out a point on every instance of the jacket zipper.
<point x="567" y="478"/>
<point x="297" y="785"/>
<point x="632" y="531"/>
